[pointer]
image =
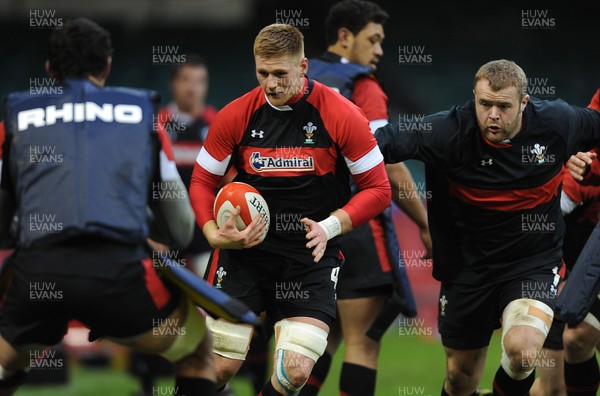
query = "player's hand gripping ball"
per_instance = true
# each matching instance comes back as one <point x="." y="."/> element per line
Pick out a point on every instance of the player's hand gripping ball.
<point x="249" y="200"/>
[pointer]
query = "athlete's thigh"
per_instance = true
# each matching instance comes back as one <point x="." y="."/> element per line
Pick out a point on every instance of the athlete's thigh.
<point x="357" y="315"/>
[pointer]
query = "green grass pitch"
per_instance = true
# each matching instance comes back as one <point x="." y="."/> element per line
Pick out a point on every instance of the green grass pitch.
<point x="408" y="365"/>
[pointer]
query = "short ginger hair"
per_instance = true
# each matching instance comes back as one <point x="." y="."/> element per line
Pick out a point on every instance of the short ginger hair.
<point x="278" y="40"/>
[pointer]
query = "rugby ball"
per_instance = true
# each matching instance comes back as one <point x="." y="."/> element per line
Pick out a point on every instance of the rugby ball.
<point x="250" y="201"/>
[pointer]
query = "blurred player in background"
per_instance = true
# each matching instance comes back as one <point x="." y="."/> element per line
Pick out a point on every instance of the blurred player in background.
<point x="497" y="230"/>
<point x="580" y="205"/>
<point x="79" y="169"/>
<point x="354" y="34"/>
<point x="297" y="141"/>
<point x="186" y="120"/>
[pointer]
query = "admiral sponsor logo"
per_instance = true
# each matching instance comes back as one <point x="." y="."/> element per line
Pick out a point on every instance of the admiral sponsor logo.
<point x="79" y="112"/>
<point x="281" y="164"/>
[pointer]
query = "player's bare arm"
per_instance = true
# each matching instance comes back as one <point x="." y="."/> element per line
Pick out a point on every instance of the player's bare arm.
<point x="402" y="184"/>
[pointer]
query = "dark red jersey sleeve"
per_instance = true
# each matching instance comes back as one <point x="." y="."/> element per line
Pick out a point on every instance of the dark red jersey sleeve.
<point x="595" y="102"/>
<point x="370" y="97"/>
<point x="2" y="137"/>
<point x="165" y="140"/>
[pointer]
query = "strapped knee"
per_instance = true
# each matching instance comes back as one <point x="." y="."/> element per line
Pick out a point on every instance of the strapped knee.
<point x="193" y="330"/>
<point x="303" y="338"/>
<point x="524" y="312"/>
<point x="230" y="340"/>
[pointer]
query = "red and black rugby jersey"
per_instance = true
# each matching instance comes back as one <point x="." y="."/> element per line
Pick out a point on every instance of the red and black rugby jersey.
<point x="500" y="203"/>
<point x="299" y="157"/>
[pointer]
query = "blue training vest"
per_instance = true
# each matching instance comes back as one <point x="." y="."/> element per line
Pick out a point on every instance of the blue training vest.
<point x="338" y="75"/>
<point x="81" y="161"/>
<point x="342" y="77"/>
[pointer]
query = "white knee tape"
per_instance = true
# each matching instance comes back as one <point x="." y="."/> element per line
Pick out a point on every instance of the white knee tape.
<point x="524" y="312"/>
<point x="304" y="338"/>
<point x="191" y="333"/>
<point x="230" y="340"/>
<point x="527" y="312"/>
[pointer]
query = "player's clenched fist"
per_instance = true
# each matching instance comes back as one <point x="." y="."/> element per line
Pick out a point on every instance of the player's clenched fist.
<point x="580" y="163"/>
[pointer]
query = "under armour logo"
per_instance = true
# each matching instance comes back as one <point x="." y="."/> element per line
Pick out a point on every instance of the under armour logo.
<point x="486" y="162"/>
<point x="259" y="134"/>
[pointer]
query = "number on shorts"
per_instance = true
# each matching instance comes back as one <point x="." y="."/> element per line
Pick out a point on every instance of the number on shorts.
<point x="334" y="276"/>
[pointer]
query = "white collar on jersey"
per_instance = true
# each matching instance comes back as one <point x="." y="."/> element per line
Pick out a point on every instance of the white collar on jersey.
<point x="344" y="60"/>
<point x="278" y="108"/>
